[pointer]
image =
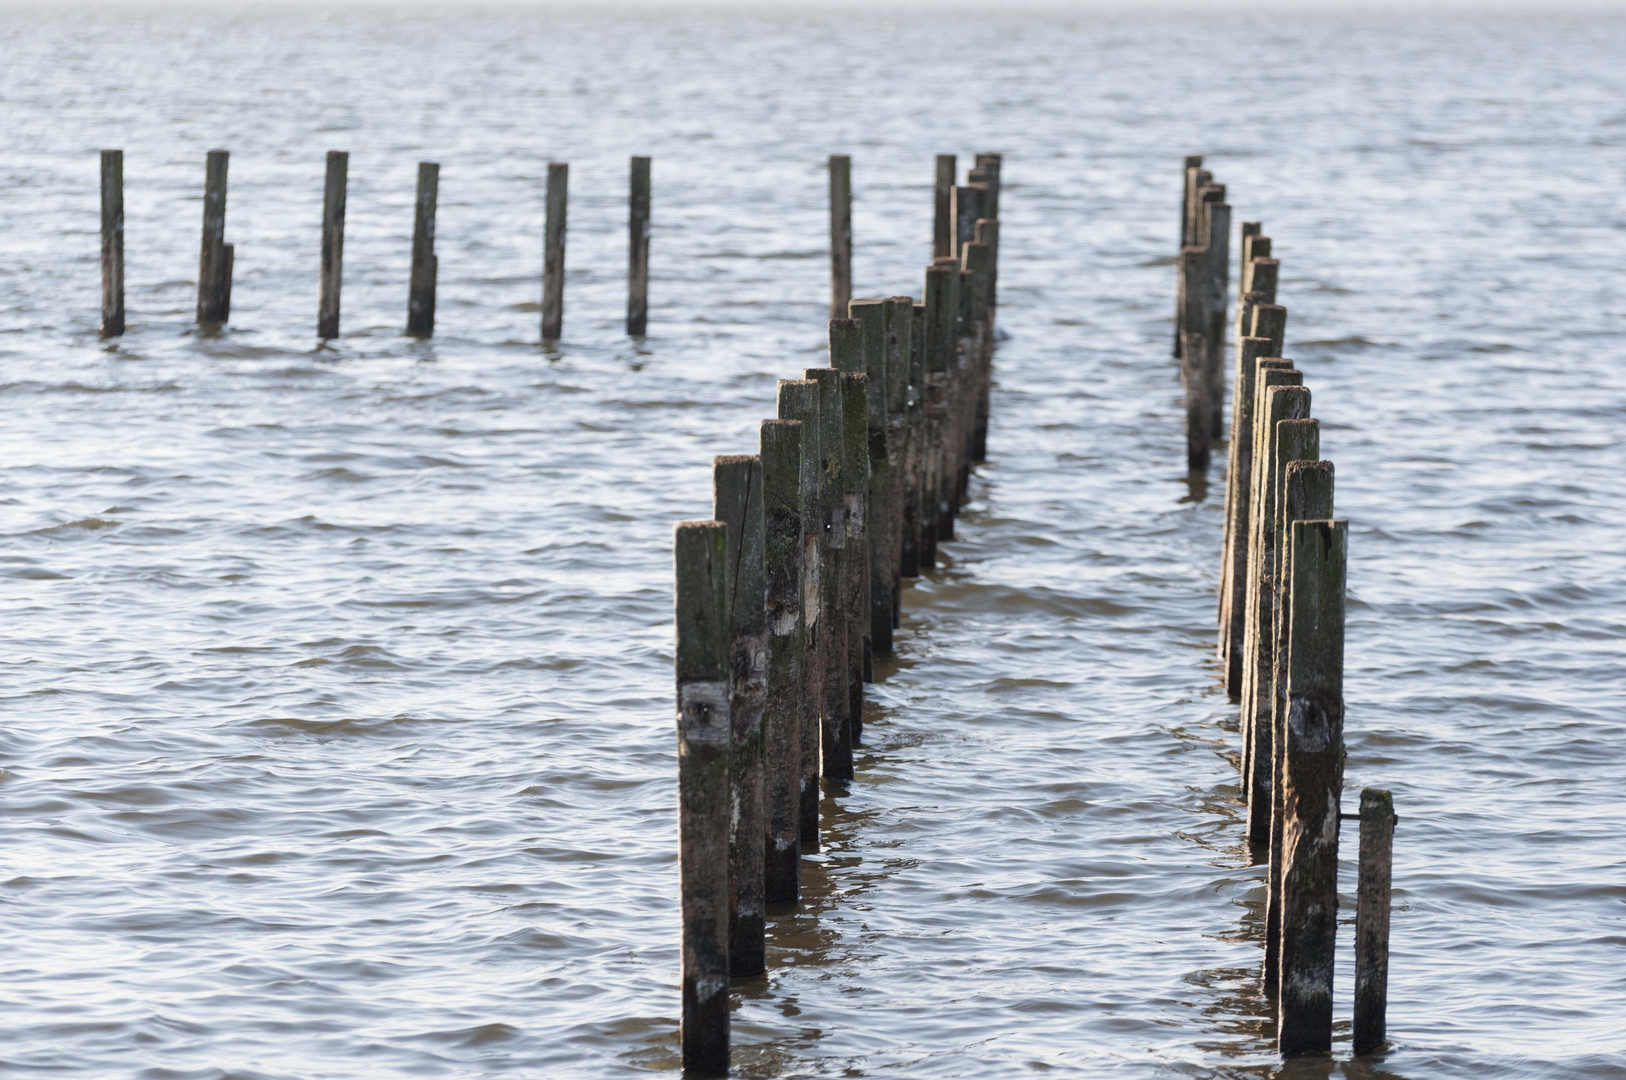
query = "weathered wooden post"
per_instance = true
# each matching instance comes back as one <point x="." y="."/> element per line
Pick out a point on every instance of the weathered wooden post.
<point x="1270" y="321"/>
<point x="942" y="308"/>
<point x="1305" y="495"/>
<point x="332" y="276"/>
<point x="703" y="730"/>
<point x="875" y="316"/>
<point x="112" y="243"/>
<point x="798" y="400"/>
<point x="836" y="742"/>
<point x="1193" y="355"/>
<point x="1372" y="919"/>
<point x="1218" y="245"/>
<point x="1188" y="191"/>
<point x="1252" y="355"/>
<point x="638" y="249"/>
<point x="855" y="483"/>
<point x="988" y="233"/>
<point x="553" y="252"/>
<point x="1280" y="396"/>
<point x="990" y="164"/>
<point x="967" y="209"/>
<point x="421" y="294"/>
<point x="216" y="257"/>
<point x="943" y="220"/>
<point x="902" y="345"/>
<point x="781" y="452"/>
<point x="737" y="503"/>
<point x="979" y="260"/>
<point x="841" y="234"/>
<point x="1312" y="780"/>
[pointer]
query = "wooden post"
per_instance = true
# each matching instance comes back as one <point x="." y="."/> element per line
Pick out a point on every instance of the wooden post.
<point x="979" y="259"/>
<point x="1306" y="494"/>
<point x="1245" y="233"/>
<point x="855" y="483"/>
<point x="841" y="234"/>
<point x="1193" y="354"/>
<point x="943" y="222"/>
<point x="990" y="165"/>
<point x="703" y="730"/>
<point x="1312" y="781"/>
<point x="988" y="233"/>
<point x="781" y="446"/>
<point x="798" y="400"/>
<point x="902" y="343"/>
<point x="966" y="211"/>
<point x="876" y="318"/>
<point x="112" y="243"/>
<point x="214" y="263"/>
<point x="553" y="252"/>
<point x="1251" y="357"/>
<point x="737" y="503"/>
<point x="1279" y="396"/>
<point x="942" y="310"/>
<point x="1372" y="920"/>
<point x="1270" y="321"/>
<point x="911" y="551"/>
<point x="836" y="741"/>
<point x="332" y="277"/>
<point x="1188" y="192"/>
<point x="638" y="249"/>
<point x="1218" y="243"/>
<point x="421" y="294"/>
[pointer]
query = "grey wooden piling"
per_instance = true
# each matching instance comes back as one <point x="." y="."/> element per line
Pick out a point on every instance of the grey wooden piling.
<point x="1218" y="245"/>
<point x="112" y="243"/>
<point x="332" y="277"/>
<point x="942" y="299"/>
<point x="990" y="164"/>
<point x="781" y="453"/>
<point x="1194" y="179"/>
<point x="855" y="483"/>
<point x="737" y="503"/>
<point x="1279" y="397"/>
<point x="638" y="249"/>
<point x="841" y="234"/>
<point x="966" y="210"/>
<point x="1305" y="495"/>
<point x="943" y="221"/>
<point x="836" y="744"/>
<point x="798" y="399"/>
<point x="979" y="260"/>
<point x="1192" y="163"/>
<point x="875" y="316"/>
<point x="215" y="259"/>
<point x="913" y="545"/>
<point x="1312" y="781"/>
<point x="553" y="252"/>
<point x="1245" y="233"/>
<point x="1194" y="356"/>
<point x="903" y="346"/>
<point x="704" y="733"/>
<point x="421" y="293"/>
<point x="1372" y="920"/>
<point x="1270" y="321"/>
<point x="1252" y="355"/>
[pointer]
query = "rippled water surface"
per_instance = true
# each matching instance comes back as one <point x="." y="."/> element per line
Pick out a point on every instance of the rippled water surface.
<point x="338" y="734"/>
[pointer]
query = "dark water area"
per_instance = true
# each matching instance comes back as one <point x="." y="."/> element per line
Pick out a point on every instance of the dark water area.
<point x="338" y="718"/>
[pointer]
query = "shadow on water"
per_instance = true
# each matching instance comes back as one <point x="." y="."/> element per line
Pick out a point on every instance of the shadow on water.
<point x="1196" y="487"/>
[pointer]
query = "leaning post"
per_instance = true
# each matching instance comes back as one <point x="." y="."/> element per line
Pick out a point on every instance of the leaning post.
<point x="703" y="730"/>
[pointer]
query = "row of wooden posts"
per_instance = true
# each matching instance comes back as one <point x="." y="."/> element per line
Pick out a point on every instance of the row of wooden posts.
<point x="216" y="260"/>
<point x="783" y="601"/>
<point x="1281" y="632"/>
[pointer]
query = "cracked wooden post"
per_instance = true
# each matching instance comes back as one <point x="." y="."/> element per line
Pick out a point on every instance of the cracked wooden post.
<point x="215" y="258"/>
<point x="638" y="249"/>
<point x="876" y="318"/>
<point x="798" y="399"/>
<point x="553" y="252"/>
<point x="841" y="234"/>
<point x="703" y="731"/>
<point x="1306" y="494"/>
<point x="782" y="496"/>
<point x="1372" y="920"/>
<point x="836" y="738"/>
<point x="737" y="503"/>
<point x="943" y="200"/>
<point x="1312" y="781"/>
<point x="1280" y="396"/>
<point x="332" y="277"/>
<point x="421" y="294"/>
<point x="112" y="243"/>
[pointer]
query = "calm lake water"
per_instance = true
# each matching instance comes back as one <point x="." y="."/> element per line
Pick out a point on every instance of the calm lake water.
<point x="338" y="719"/>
